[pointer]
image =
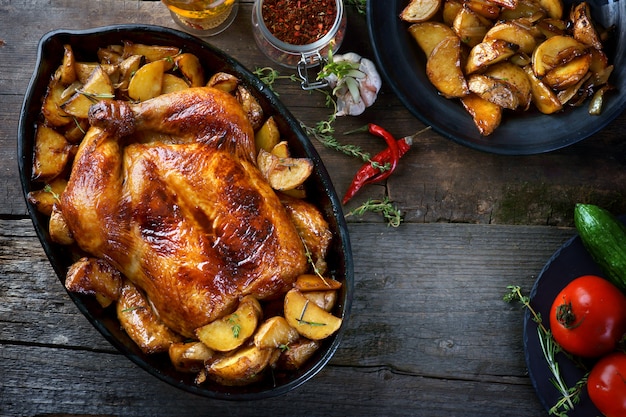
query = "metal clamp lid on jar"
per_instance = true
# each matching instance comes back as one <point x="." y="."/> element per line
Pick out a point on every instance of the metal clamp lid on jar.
<point x="301" y="57"/>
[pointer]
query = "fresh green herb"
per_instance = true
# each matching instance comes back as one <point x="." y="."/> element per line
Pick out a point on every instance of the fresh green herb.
<point x="384" y="207"/>
<point x="550" y="348"/>
<point x="236" y="327"/>
<point x="309" y="257"/>
<point x="49" y="189"/>
<point x="283" y="348"/>
<point x="269" y="75"/>
<point x="310" y="323"/>
<point x="347" y="74"/>
<point x="95" y="96"/>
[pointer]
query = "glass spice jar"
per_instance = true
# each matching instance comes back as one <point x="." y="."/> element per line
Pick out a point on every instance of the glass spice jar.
<point x="299" y="33"/>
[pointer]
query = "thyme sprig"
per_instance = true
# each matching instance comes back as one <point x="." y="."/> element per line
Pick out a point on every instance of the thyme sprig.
<point x="95" y="96"/>
<point x="360" y="5"/>
<point x="570" y="396"/>
<point x="269" y="75"/>
<point x="236" y="326"/>
<point x="390" y="213"/>
<point x="48" y="189"/>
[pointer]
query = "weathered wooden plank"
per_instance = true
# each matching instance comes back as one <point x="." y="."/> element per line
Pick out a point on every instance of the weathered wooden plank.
<point x="428" y="309"/>
<point x="108" y="384"/>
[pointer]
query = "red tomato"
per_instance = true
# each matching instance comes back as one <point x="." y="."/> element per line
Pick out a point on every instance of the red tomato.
<point x="607" y="385"/>
<point x="588" y="317"/>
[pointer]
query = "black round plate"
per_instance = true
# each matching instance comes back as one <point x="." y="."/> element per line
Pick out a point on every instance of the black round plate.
<point x="403" y="65"/>
<point x="84" y="44"/>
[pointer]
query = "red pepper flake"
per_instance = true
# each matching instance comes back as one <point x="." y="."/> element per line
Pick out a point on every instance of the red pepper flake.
<point x="299" y="22"/>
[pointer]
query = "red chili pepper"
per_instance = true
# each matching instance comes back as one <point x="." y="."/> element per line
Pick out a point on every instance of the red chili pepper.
<point x="368" y="174"/>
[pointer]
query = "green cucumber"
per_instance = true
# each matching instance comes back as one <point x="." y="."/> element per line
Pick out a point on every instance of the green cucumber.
<point x="604" y="237"/>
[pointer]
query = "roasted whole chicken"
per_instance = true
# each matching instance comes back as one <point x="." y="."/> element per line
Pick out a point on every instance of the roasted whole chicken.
<point x="168" y="193"/>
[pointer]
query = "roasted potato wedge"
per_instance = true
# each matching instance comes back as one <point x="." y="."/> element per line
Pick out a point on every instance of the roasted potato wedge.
<point x="51" y="107"/>
<point x="485" y="114"/>
<point x="147" y="82"/>
<point x="488" y="53"/>
<point x="231" y="331"/>
<point x="429" y="34"/>
<point x="513" y="33"/>
<point x="281" y="150"/>
<point x="470" y="27"/>
<point x="496" y="91"/>
<point x="568" y="74"/>
<point x="274" y="333"/>
<point x="66" y="73"/>
<point x="189" y="65"/>
<point x="443" y="68"/>
<point x="583" y="29"/>
<point x="150" y="52"/>
<point x="555" y="51"/>
<point x="97" y="87"/>
<point x="297" y="354"/>
<point x="141" y="323"/>
<point x="516" y="78"/>
<point x="543" y="97"/>
<point x="223" y="81"/>
<point x="251" y="107"/>
<point x="58" y="229"/>
<point x="241" y="367"/>
<point x="189" y="356"/>
<point x="172" y="83"/>
<point x="95" y="277"/>
<point x="267" y="136"/>
<point x="450" y="10"/>
<point x="324" y="299"/>
<point x="284" y="173"/>
<point x="554" y="8"/>
<point x="52" y="153"/>
<point x="44" y="199"/>
<point x="420" y="10"/>
<point x="310" y="320"/>
<point x="312" y="282"/>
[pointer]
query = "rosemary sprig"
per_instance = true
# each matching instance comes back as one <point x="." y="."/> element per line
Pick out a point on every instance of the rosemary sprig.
<point x="95" y="96"/>
<point x="384" y="207"/>
<point x="301" y="320"/>
<point x="550" y="348"/>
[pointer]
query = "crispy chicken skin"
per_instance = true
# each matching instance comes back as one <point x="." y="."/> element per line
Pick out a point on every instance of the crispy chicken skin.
<point x="189" y="220"/>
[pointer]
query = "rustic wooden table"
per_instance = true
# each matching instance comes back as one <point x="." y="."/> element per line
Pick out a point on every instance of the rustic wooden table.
<point x="429" y="333"/>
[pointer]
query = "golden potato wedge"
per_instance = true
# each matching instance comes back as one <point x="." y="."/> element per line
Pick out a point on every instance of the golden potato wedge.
<point x="299" y="192"/>
<point x="515" y="77"/>
<point x="568" y="74"/>
<point x="486" y="115"/>
<point x="151" y="52"/>
<point x="484" y="8"/>
<point x="324" y="299"/>
<point x="147" y="82"/>
<point x="549" y="27"/>
<point x="573" y="91"/>
<point x="172" y="83"/>
<point x="430" y="34"/>
<point x="75" y="131"/>
<point x="507" y="4"/>
<point x="84" y="70"/>
<point x="513" y="33"/>
<point x="554" y="8"/>
<point x="420" y="10"/>
<point x="223" y="81"/>
<point x="450" y="10"/>
<point x="312" y="282"/>
<point x="523" y="9"/>
<point x="267" y="136"/>
<point x="251" y="107"/>
<point x="599" y="61"/>
<point x="555" y="51"/>
<point x="141" y="323"/>
<point x="496" y="91"/>
<point x="189" y="356"/>
<point x="488" y="53"/>
<point x="44" y="199"/>
<point x="543" y="97"/>
<point x="583" y="28"/>
<point x="93" y="276"/>
<point x="310" y="320"/>
<point x="109" y="55"/>
<point x="231" y="331"/>
<point x="297" y="354"/>
<point x="52" y="152"/>
<point x="97" y="87"/>
<point x="274" y="333"/>
<point x="443" y="68"/>
<point x="51" y="106"/>
<point x="281" y="150"/>
<point x="58" y="229"/>
<point x="191" y="68"/>
<point x="240" y="368"/>
<point x="470" y="27"/>
<point x="66" y="73"/>
<point x="284" y="173"/>
<point x="127" y="68"/>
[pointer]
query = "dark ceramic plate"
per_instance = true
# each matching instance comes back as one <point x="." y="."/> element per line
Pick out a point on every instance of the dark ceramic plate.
<point x="567" y="263"/>
<point x="319" y="187"/>
<point x="403" y="64"/>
